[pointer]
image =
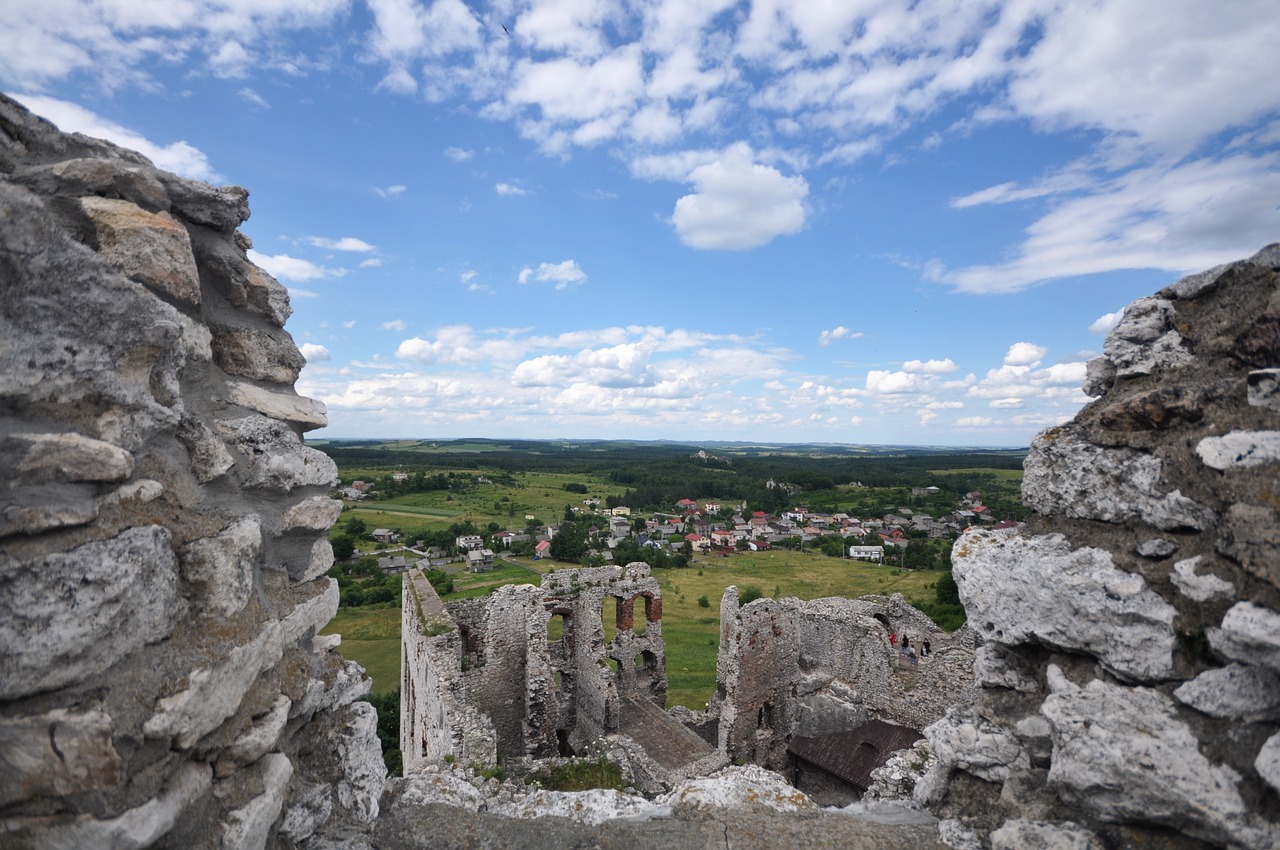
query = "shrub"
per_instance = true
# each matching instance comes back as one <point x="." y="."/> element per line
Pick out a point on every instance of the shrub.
<point x="703" y="601"/>
<point x="750" y="593"/>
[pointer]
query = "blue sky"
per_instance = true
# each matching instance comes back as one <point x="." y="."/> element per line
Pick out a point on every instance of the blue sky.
<point x="829" y="220"/>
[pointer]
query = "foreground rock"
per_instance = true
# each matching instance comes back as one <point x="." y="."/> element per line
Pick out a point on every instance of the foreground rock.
<point x="1131" y="664"/>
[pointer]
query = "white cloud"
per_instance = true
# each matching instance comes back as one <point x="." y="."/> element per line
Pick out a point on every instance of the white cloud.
<point x="178" y="157"/>
<point x="1024" y="354"/>
<point x="739" y="203"/>
<point x="285" y="267"/>
<point x="563" y="274"/>
<point x="346" y="243"/>
<point x="930" y="367"/>
<point x="371" y="263"/>
<point x="509" y="189"/>
<point x="349" y="324"/>
<point x="880" y="381"/>
<point x="391" y="191"/>
<point x="394" y="325"/>
<point x="458" y="154"/>
<point x="314" y="352"/>
<point x="926" y="416"/>
<point x="253" y="97"/>
<point x="1006" y="403"/>
<point x="975" y="421"/>
<point x="1104" y="323"/>
<point x="840" y="332"/>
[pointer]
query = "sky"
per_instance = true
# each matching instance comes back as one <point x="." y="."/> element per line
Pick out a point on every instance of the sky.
<point x="847" y="221"/>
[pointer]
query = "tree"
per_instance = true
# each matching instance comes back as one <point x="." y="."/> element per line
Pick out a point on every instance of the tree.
<point x="343" y="547"/>
<point x="356" y="527"/>
<point x="750" y="593"/>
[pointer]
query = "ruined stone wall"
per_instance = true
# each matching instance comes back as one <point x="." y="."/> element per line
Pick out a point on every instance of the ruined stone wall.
<point x="789" y="668"/>
<point x="162" y="526"/>
<point x="1131" y="657"/>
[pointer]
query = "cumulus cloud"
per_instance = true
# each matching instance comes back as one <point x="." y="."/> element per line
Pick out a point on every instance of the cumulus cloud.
<point x="1104" y="323"/>
<point x="314" y="352"/>
<point x="739" y="203"/>
<point x="1024" y="354"/>
<point x="346" y="243"/>
<point x="394" y="325"/>
<point x="285" y="267"/>
<point x="882" y="381"/>
<point x="458" y="154"/>
<point x="840" y="332"/>
<point x="178" y="157"/>
<point x="930" y="367"/>
<point x="563" y="274"/>
<point x="975" y="421"/>
<point x="509" y="189"/>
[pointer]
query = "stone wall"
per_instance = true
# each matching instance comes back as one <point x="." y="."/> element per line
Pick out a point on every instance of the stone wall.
<point x="1131" y="633"/>
<point x="162" y="526"/>
<point x="791" y="668"/>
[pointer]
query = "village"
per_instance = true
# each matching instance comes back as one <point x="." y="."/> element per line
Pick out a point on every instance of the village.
<point x="689" y="529"/>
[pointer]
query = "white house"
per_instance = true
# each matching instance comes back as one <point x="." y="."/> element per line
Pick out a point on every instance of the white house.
<point x="867" y="553"/>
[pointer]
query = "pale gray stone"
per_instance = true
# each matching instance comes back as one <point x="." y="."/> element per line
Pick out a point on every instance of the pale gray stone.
<point x="1250" y="634"/>
<point x="1145" y="341"/>
<point x="311" y="811"/>
<point x="138" y="492"/>
<point x="1199" y="588"/>
<point x="66" y="512"/>
<point x="1099" y="376"/>
<point x="1018" y="589"/>
<point x="224" y="208"/>
<point x="150" y="248"/>
<point x="1268" y="762"/>
<point x="991" y="669"/>
<point x="1264" y="389"/>
<point x="1067" y="476"/>
<point x="315" y="514"/>
<point x="71" y="615"/>
<point x="1157" y="548"/>
<point x="210" y="457"/>
<point x="1124" y="755"/>
<point x="364" y="773"/>
<point x="248" y="827"/>
<point x="1268" y="257"/>
<point x="67" y="457"/>
<point x="1240" y="449"/>
<point x="1194" y="285"/>
<point x="311" y="615"/>
<point x="276" y="459"/>
<point x="58" y="752"/>
<point x="219" y="570"/>
<point x="953" y="833"/>
<point x="212" y="694"/>
<point x="259" y="354"/>
<point x="964" y="740"/>
<point x="137" y="828"/>
<point x="1037" y="835"/>
<point x="254" y="742"/>
<point x="288" y="407"/>
<point x="1234" y="692"/>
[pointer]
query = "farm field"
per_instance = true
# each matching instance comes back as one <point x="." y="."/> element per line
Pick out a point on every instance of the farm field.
<point x="691" y="633"/>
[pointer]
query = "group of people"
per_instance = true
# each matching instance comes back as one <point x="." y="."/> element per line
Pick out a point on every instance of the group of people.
<point x="908" y="650"/>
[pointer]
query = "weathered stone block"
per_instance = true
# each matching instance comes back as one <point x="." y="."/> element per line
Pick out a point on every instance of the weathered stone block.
<point x="1234" y="692"/>
<point x="315" y="514"/>
<point x="1250" y="535"/>
<point x="967" y="742"/>
<point x="65" y="457"/>
<point x="1145" y="341"/>
<point x="288" y="407"/>
<point x="219" y="570"/>
<point x="257" y="354"/>
<point x="257" y="740"/>
<point x="364" y="773"/>
<point x="69" y="615"/>
<point x="1249" y="634"/>
<point x="224" y="208"/>
<point x="1268" y="762"/>
<point x="150" y="248"/>
<point x="1199" y="588"/>
<point x="210" y="458"/>
<point x="1020" y="589"/>
<point x="1240" y="449"/>
<point x="276" y="457"/>
<point x="1264" y="389"/>
<point x="249" y="826"/>
<point x="1033" y="835"/>
<point x="59" y="752"/>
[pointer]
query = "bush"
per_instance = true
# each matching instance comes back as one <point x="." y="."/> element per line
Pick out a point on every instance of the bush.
<point x="441" y="581"/>
<point x="343" y="547"/>
<point x="750" y="593"/>
<point x="703" y="601"/>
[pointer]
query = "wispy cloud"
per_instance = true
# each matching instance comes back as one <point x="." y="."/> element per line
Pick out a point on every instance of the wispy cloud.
<point x="563" y="274"/>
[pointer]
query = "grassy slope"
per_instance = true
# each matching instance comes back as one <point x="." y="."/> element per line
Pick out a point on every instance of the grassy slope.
<point x="691" y="633"/>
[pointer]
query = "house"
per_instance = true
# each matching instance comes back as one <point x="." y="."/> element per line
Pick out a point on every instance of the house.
<point x="867" y="553"/>
<point x="621" y="510"/>
<point x="686" y="505"/>
<point x="502" y="539"/>
<point x="480" y="560"/>
<point x="469" y="542"/>
<point x="759" y="546"/>
<point x="925" y="491"/>
<point x="385" y="535"/>
<point x="724" y="537"/>
<point x="712" y="507"/>
<point x="393" y="564"/>
<point x="699" y="542"/>
<point x="542" y="550"/>
<point x="399" y="476"/>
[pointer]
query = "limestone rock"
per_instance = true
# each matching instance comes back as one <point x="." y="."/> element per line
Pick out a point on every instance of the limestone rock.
<point x="1250" y="535"/>
<point x="1234" y="692"/>
<point x="65" y="457"/>
<point x="1199" y="588"/>
<point x="1194" y="285"/>
<point x="1017" y="589"/>
<point x="319" y="562"/>
<point x="138" y="827"/>
<point x="994" y="668"/>
<point x="276" y="457"/>
<point x="1157" y="548"/>
<point x="257" y="354"/>
<point x="1145" y="341"/>
<point x="974" y="744"/>
<point x="1099" y="376"/>
<point x="74" y="178"/>
<point x="255" y="741"/>
<point x="1123" y="754"/>
<point x="310" y="615"/>
<point x="748" y="787"/>
<point x="220" y="569"/>
<point x="1264" y="389"/>
<point x="1033" y="835"/>
<point x="315" y="514"/>
<point x="1268" y="761"/>
<point x="1250" y="634"/>
<point x="248" y="827"/>
<point x="364" y="774"/>
<point x="1238" y="449"/>
<point x="589" y="807"/>
<point x="288" y="407"/>
<point x="224" y="208"/>
<point x="58" y="752"/>
<point x="71" y="614"/>
<point x="311" y="811"/>
<point x="152" y="249"/>
<point x="1068" y="476"/>
<point x="210" y="458"/>
<point x="212" y="694"/>
<point x="447" y="788"/>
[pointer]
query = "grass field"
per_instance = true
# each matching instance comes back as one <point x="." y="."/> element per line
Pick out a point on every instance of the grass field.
<point x="691" y="633"/>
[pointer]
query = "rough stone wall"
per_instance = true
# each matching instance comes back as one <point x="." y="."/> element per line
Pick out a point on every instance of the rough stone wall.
<point x="162" y="526"/>
<point x="1131" y="657"/>
<point x="788" y="668"/>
